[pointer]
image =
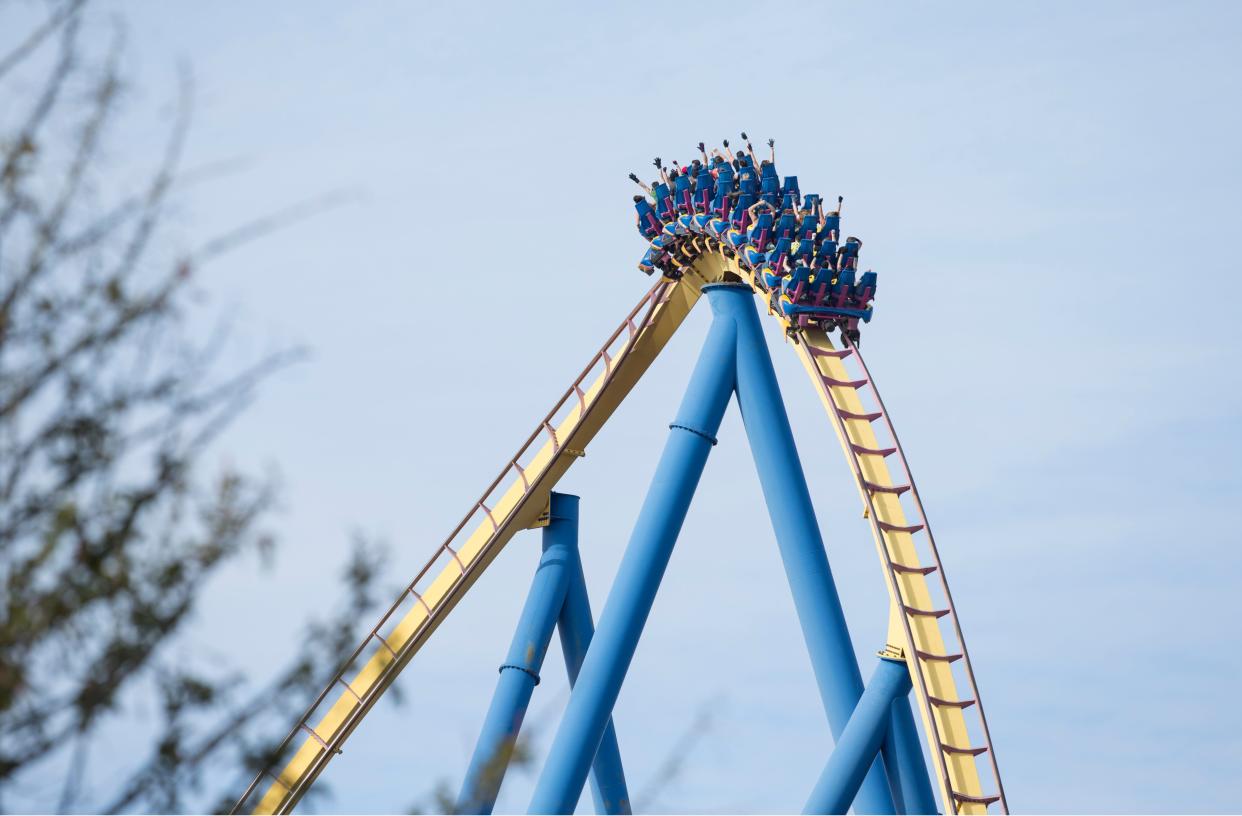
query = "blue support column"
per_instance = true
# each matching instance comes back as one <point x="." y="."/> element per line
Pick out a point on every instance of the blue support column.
<point x="651" y="544"/>
<point x="888" y="753"/>
<point x="856" y="748"/>
<point x="903" y="751"/>
<point x="576" y="629"/>
<point x="797" y="532"/>
<point x="519" y="674"/>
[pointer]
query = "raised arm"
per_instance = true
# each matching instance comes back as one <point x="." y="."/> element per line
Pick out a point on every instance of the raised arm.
<point x="729" y="152"/>
<point x="647" y="189"/>
<point x="703" y="150"/>
<point x="660" y="166"/>
<point x="772" y="147"/>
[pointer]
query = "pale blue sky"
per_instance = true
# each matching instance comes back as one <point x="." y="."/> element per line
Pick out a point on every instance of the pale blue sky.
<point x="1049" y="193"/>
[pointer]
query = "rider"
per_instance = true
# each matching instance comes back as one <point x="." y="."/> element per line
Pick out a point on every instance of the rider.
<point x="826" y="255"/>
<point x="648" y="223"/>
<point x="748" y="181"/>
<point x="830" y="222"/>
<point x="847" y="256"/>
<point x="704" y="188"/>
<point x="682" y="192"/>
<point x="760" y="235"/>
<point x="769" y="181"/>
<point x="802" y="252"/>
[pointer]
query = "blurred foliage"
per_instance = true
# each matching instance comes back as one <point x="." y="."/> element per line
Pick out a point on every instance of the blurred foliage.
<point x="111" y="525"/>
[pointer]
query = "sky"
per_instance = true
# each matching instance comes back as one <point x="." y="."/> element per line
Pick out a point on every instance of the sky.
<point x="1049" y="193"/>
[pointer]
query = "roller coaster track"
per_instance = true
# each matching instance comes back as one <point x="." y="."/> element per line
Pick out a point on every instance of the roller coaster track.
<point x="924" y="627"/>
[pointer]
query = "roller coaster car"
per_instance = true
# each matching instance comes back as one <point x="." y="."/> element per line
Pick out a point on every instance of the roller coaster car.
<point x="827" y="318"/>
<point x="841" y="304"/>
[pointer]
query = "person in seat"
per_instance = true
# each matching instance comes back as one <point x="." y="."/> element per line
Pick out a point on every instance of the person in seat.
<point x="725" y="174"/>
<point x="664" y="200"/>
<point x="808" y="226"/>
<point x="780" y="253"/>
<point x="769" y="184"/>
<point x="645" y="215"/>
<point x="735" y="236"/>
<point x="847" y="255"/>
<point x="698" y="217"/>
<point x="759" y="236"/>
<point x="802" y="252"/>
<point x="791" y="197"/>
<point x="704" y="188"/>
<point x="787" y="227"/>
<point x="864" y="291"/>
<point x="830" y="223"/>
<point x="825" y="255"/>
<point x="703" y="202"/>
<point x="769" y="180"/>
<point x="682" y="193"/>
<point x="794" y="289"/>
<point x="747" y="181"/>
<point x="761" y="217"/>
<point x="739" y="219"/>
<point x="841" y="294"/>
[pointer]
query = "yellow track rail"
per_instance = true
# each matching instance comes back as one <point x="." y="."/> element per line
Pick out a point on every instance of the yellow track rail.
<point x="916" y="636"/>
<point x="518" y="497"/>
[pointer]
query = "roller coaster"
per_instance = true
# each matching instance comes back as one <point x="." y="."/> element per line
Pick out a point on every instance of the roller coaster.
<point x="714" y="249"/>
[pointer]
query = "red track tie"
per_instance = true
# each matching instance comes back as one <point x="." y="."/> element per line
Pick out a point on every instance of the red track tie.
<point x="926" y="613"/>
<point x="937" y="701"/>
<point x="873" y="451"/>
<point x="903" y="568"/>
<point x="844" y="414"/>
<point x="949" y="658"/>
<point x="953" y="749"/>
<point x="843" y="383"/>
<point x="897" y="528"/>
<point x="975" y="800"/>
<point x="837" y="353"/>
<point x="879" y="488"/>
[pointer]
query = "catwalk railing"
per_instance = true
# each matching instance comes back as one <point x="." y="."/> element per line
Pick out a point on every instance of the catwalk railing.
<point x="514" y="500"/>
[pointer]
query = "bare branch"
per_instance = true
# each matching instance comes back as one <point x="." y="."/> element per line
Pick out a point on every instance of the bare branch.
<point x="36" y="38"/>
<point x="268" y="224"/>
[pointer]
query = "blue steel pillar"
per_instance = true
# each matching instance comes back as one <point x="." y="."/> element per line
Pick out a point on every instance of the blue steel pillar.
<point x="576" y="628"/>
<point x="797" y="532"/>
<point x="634" y="589"/>
<point x="856" y="747"/>
<point x="518" y="676"/>
<point x="903" y="757"/>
